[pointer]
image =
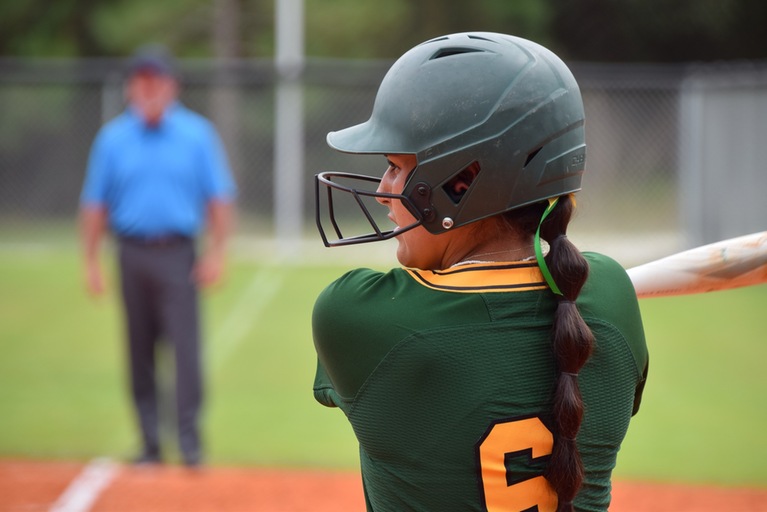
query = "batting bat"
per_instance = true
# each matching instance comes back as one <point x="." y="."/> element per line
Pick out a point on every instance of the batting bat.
<point x="731" y="263"/>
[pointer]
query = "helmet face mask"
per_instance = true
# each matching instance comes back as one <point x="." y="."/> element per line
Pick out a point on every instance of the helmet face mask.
<point x="507" y="105"/>
<point x="328" y="186"/>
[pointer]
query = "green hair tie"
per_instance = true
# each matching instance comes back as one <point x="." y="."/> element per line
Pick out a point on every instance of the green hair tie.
<point x="539" y="252"/>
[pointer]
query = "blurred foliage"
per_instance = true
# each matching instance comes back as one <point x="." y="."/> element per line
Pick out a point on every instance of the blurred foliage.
<point x="659" y="30"/>
<point x="594" y="30"/>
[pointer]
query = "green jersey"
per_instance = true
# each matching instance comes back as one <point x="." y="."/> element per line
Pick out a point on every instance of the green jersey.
<point x="447" y="379"/>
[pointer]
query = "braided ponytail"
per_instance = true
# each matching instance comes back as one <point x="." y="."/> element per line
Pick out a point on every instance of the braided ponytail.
<point x="572" y="343"/>
<point x="572" y="340"/>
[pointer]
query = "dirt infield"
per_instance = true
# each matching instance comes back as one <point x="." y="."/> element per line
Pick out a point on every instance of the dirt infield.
<point x="32" y="486"/>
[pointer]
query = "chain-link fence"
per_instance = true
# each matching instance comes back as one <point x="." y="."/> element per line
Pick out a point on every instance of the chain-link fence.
<point x="662" y="142"/>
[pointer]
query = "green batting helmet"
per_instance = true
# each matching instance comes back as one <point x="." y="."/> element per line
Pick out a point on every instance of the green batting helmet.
<point x="502" y="102"/>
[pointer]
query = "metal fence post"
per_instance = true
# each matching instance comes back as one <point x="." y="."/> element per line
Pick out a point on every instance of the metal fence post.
<point x="289" y="129"/>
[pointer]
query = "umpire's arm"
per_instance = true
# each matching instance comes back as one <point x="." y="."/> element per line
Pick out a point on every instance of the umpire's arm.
<point x="93" y="225"/>
<point x="210" y="268"/>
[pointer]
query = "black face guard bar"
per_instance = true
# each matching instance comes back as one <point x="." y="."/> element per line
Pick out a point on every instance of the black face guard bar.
<point x="326" y="179"/>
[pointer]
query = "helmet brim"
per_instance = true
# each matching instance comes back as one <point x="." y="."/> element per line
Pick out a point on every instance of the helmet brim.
<point x="369" y="138"/>
<point x="355" y="139"/>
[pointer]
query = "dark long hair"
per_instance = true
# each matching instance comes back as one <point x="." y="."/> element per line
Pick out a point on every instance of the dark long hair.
<point x="572" y="343"/>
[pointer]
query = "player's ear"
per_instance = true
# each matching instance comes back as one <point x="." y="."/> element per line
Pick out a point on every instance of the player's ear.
<point x="460" y="183"/>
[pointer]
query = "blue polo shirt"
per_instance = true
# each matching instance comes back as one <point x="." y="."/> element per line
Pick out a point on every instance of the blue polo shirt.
<point x="157" y="180"/>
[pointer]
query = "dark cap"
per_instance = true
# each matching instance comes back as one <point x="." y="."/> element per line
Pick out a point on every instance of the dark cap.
<point x="153" y="59"/>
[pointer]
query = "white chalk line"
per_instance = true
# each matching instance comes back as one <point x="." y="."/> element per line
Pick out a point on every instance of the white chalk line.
<point x="86" y="487"/>
<point x="244" y="314"/>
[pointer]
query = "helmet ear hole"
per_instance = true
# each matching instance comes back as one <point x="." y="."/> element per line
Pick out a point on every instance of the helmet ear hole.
<point x="459" y="184"/>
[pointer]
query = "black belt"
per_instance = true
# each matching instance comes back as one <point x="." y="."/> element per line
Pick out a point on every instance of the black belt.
<point x="155" y="241"/>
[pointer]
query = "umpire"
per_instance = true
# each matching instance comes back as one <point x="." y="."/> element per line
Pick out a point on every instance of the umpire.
<point x="157" y="177"/>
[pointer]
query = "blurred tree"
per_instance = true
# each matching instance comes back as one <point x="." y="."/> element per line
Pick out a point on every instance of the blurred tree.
<point x="93" y="28"/>
<point x="347" y="28"/>
<point x="525" y="18"/>
<point x="184" y="26"/>
<point x="227" y="40"/>
<point x="594" y="30"/>
<point x="37" y="27"/>
<point x="659" y="30"/>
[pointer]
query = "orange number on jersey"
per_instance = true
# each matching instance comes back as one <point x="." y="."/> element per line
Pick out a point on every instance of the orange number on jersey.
<point x="525" y="436"/>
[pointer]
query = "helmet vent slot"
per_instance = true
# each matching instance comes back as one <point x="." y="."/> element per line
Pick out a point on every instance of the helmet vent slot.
<point x="479" y="38"/>
<point x="449" y="52"/>
<point x="532" y="155"/>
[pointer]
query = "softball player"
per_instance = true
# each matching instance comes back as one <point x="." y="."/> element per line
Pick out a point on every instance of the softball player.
<point x="483" y="374"/>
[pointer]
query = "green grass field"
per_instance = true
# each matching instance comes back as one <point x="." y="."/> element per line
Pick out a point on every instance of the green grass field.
<point x="63" y="394"/>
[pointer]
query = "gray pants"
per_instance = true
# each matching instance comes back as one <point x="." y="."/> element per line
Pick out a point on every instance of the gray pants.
<point x="161" y="302"/>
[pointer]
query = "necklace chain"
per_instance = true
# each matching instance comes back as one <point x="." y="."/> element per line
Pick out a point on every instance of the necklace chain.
<point x="473" y="258"/>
